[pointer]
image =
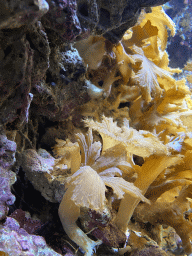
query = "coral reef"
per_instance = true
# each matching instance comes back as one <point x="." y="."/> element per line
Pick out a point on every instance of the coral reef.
<point x="142" y="62"/>
<point x="95" y="129"/>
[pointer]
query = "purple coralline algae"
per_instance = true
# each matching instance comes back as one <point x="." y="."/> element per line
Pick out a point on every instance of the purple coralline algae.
<point x="7" y="152"/>
<point x="16" y="241"/>
<point x="6" y="197"/>
<point x="7" y="178"/>
<point x="25" y="222"/>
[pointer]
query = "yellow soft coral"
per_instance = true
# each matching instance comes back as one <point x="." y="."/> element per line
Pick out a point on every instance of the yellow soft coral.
<point x="141" y="143"/>
<point x="160" y="20"/>
<point x="86" y="187"/>
<point x="158" y="128"/>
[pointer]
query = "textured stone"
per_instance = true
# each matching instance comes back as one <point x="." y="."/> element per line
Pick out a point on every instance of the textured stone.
<point x="6" y="198"/>
<point x="101" y="227"/>
<point x="16" y="241"/>
<point x="38" y="41"/>
<point x="7" y="177"/>
<point x="15" y="14"/>
<point x="64" y="88"/>
<point x="63" y="19"/>
<point x="39" y="170"/>
<point x="14" y="89"/>
<point x="23" y="62"/>
<point x="7" y="152"/>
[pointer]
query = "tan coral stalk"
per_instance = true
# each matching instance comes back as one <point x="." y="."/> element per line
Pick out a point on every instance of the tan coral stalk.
<point x="146" y="175"/>
<point x="68" y="214"/>
<point x="109" y="80"/>
<point x="69" y="154"/>
<point x="84" y="188"/>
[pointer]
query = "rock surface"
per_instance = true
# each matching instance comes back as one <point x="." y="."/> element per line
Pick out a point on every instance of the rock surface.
<point x="7" y="177"/>
<point x="16" y="241"/>
<point x="38" y="167"/>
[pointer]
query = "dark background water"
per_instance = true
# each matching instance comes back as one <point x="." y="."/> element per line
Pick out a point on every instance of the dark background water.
<point x="180" y="46"/>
